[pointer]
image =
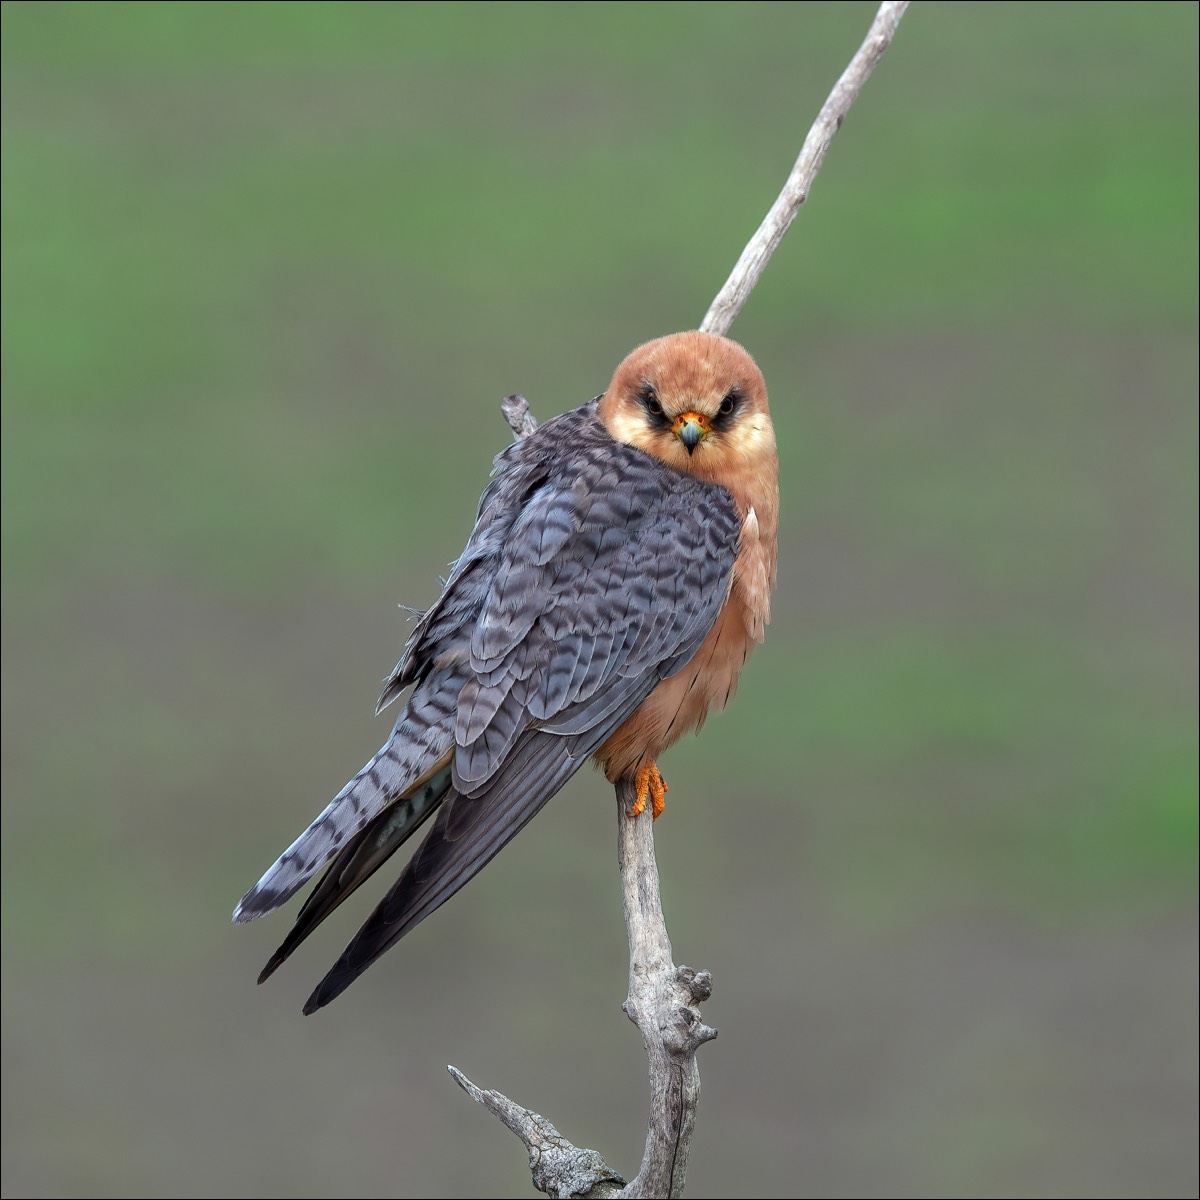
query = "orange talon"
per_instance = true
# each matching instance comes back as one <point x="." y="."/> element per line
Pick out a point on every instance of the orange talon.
<point x="650" y="785"/>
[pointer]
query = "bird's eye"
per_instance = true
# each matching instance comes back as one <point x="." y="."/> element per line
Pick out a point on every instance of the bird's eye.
<point x="650" y="399"/>
<point x="728" y="404"/>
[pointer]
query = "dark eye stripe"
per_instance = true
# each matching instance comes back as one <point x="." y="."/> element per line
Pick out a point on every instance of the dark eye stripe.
<point x="653" y="406"/>
<point x="729" y="405"/>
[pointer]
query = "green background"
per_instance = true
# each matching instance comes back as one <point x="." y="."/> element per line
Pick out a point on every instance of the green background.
<point x="268" y="270"/>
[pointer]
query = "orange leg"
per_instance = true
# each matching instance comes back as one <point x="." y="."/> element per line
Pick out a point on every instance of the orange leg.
<point x="650" y="786"/>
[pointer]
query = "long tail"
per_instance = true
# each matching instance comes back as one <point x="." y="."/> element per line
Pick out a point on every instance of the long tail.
<point x="418" y="748"/>
<point x="361" y="857"/>
<point x="468" y="833"/>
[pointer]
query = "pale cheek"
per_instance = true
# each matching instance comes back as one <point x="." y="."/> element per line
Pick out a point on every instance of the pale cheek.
<point x="631" y="430"/>
<point x="750" y="439"/>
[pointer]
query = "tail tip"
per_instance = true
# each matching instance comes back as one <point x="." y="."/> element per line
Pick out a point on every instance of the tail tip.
<point x="271" y="967"/>
<point x="329" y="989"/>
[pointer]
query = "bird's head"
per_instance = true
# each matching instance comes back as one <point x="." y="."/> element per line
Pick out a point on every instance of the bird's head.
<point x="697" y="402"/>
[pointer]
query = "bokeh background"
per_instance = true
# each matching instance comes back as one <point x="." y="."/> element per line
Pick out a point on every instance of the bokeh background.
<point x="268" y="270"/>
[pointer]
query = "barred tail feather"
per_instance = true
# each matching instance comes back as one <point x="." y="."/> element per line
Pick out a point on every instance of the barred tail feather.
<point x="361" y="857"/>
<point x="420" y="746"/>
<point x="467" y="835"/>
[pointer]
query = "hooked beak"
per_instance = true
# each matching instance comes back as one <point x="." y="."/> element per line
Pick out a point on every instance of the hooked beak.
<point x="691" y="428"/>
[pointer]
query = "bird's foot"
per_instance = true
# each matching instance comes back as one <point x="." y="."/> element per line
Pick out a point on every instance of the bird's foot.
<point x="650" y="786"/>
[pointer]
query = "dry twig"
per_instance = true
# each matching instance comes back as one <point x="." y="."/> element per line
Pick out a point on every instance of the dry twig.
<point x="763" y="244"/>
<point x="663" y="999"/>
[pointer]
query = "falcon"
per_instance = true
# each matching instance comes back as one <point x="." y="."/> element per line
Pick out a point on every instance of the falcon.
<point x="618" y="575"/>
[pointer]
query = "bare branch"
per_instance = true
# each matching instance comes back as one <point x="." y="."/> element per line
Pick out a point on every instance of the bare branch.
<point x="663" y="1000"/>
<point x="558" y="1167"/>
<point x="516" y="412"/>
<point x="663" y="1003"/>
<point x="762" y="245"/>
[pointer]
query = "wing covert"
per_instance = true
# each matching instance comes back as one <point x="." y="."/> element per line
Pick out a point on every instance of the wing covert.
<point x="610" y="575"/>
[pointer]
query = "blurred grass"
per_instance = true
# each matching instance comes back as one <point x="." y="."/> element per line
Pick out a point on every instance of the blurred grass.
<point x="267" y="271"/>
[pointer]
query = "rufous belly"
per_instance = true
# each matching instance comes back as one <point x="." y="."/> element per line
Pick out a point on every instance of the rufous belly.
<point x="679" y="704"/>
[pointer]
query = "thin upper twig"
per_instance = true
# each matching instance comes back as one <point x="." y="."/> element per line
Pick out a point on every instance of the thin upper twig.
<point x="754" y="259"/>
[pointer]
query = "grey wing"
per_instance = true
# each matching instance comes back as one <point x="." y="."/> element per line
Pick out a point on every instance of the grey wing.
<point x="613" y="574"/>
<point x="424" y="731"/>
<point x="361" y="857"/>
<point x="608" y="582"/>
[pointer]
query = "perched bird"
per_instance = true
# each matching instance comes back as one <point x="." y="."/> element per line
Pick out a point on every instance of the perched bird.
<point x="618" y="574"/>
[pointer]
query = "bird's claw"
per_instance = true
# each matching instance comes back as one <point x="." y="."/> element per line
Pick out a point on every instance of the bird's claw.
<point x="650" y="786"/>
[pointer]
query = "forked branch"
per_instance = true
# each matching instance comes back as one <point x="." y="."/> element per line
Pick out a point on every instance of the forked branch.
<point x="663" y="1000"/>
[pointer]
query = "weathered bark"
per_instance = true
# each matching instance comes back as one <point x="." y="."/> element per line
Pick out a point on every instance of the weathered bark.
<point x="663" y="1002"/>
<point x="663" y="999"/>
